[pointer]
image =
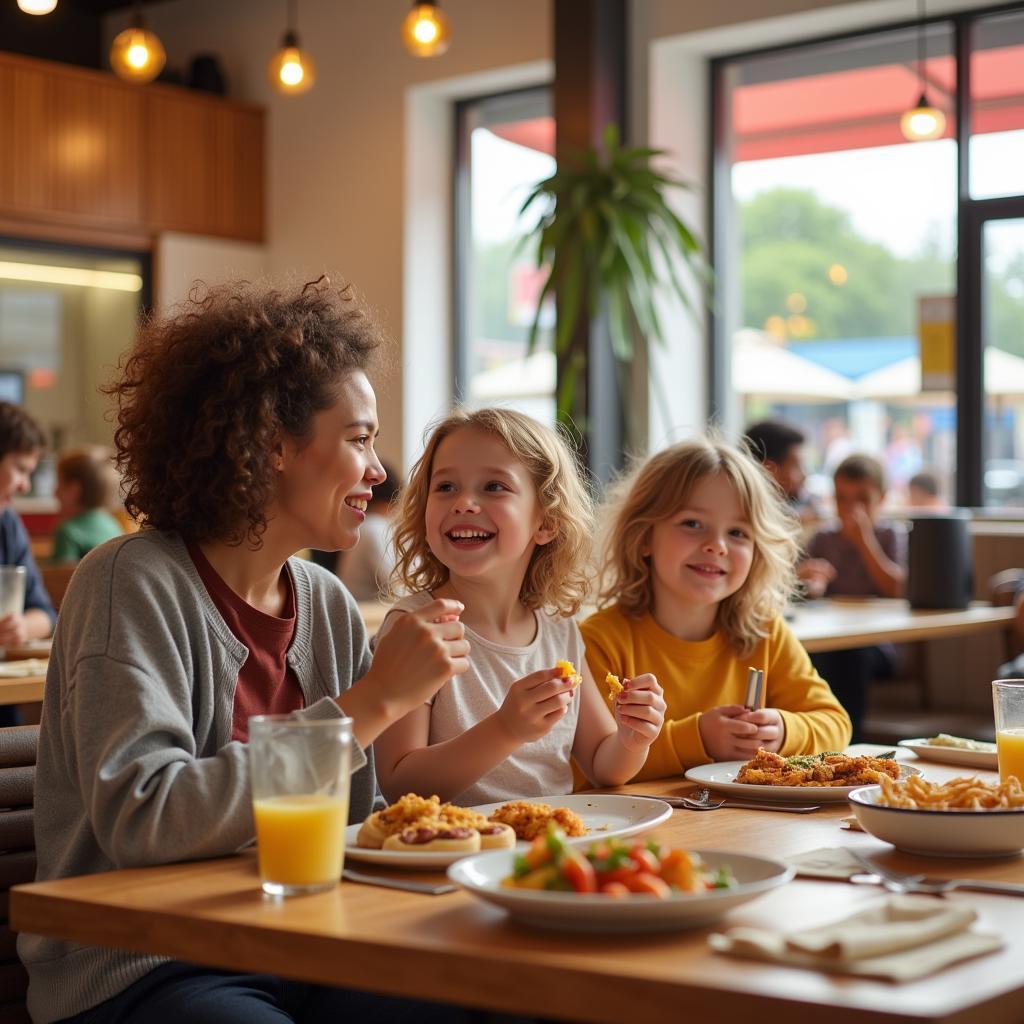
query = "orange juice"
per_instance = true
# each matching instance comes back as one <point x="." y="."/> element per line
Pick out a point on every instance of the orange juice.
<point x="300" y="839"/>
<point x="1010" y="751"/>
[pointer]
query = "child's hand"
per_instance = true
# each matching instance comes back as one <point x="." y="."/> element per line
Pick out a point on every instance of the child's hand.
<point x="535" y="704"/>
<point x="639" y="711"/>
<point x="771" y="731"/>
<point x="856" y="526"/>
<point x="732" y="733"/>
<point x="421" y="651"/>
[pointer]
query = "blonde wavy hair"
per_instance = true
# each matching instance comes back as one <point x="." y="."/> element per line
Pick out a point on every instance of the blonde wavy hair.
<point x="657" y="490"/>
<point x="557" y="576"/>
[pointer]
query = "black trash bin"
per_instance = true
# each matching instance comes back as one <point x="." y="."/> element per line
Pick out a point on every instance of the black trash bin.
<point x="940" y="568"/>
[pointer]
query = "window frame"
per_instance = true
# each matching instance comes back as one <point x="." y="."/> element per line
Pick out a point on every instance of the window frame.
<point x="972" y="214"/>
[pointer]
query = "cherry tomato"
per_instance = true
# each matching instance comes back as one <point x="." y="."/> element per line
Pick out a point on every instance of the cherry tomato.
<point x="616" y="875"/>
<point x="652" y="885"/>
<point x="579" y="873"/>
<point x="677" y="869"/>
<point x="644" y="859"/>
<point x="616" y="889"/>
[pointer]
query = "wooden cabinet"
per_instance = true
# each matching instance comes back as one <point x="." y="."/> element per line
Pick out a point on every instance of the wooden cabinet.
<point x="82" y="149"/>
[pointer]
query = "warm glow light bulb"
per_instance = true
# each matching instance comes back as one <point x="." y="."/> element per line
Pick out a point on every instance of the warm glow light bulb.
<point x="137" y="55"/>
<point x="922" y="123"/>
<point x="425" y="30"/>
<point x="291" y="71"/>
<point x="37" y="6"/>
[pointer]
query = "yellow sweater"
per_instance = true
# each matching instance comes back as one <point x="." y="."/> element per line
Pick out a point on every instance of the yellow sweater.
<point x="697" y="676"/>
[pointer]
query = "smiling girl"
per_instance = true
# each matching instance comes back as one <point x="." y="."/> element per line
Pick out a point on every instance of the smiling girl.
<point x="495" y="516"/>
<point x="698" y="569"/>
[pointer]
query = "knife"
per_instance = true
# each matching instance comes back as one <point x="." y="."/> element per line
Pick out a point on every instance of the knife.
<point x="428" y="888"/>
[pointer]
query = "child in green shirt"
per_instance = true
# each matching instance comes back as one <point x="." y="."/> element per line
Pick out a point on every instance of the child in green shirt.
<point x="86" y="481"/>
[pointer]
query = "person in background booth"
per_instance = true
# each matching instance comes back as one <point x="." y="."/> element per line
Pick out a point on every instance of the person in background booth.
<point x="86" y="487"/>
<point x="245" y="433"/>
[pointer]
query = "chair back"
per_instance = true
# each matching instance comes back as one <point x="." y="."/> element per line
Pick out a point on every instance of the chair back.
<point x="56" y="579"/>
<point x="18" y="747"/>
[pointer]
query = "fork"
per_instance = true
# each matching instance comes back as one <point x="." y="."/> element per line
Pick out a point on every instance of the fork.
<point x="896" y="881"/>
<point x="703" y="802"/>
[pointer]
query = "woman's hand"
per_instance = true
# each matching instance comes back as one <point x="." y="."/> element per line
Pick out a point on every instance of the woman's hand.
<point x="534" y="705"/>
<point x="732" y="733"/>
<point x="639" y="711"/>
<point x="418" y="654"/>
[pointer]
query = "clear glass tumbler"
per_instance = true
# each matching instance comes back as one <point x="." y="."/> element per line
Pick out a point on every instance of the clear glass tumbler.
<point x="12" y="589"/>
<point x="300" y="782"/>
<point x="1008" y="704"/>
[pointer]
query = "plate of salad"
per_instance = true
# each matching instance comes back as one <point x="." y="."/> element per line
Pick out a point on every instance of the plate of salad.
<point x="616" y="885"/>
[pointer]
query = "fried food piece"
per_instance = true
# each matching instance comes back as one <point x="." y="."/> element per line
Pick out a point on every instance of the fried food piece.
<point x="568" y="671"/>
<point x="530" y="820"/>
<point x="828" y="769"/>
<point x="412" y="810"/>
<point x="614" y="685"/>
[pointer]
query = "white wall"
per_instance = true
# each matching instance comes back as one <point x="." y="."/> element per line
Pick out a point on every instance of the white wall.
<point x="180" y="260"/>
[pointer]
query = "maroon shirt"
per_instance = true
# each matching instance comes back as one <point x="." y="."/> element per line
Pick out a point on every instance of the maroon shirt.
<point x="266" y="685"/>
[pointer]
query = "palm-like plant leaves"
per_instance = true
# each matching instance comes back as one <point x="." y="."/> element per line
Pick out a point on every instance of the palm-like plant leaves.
<point x="607" y="235"/>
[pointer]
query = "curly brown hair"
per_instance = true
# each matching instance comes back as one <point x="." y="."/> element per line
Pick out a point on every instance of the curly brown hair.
<point x="206" y="394"/>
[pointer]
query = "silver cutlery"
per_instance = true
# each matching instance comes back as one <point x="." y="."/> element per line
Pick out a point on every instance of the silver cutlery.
<point x="703" y="802"/>
<point x="896" y="881"/>
<point x="427" y="888"/>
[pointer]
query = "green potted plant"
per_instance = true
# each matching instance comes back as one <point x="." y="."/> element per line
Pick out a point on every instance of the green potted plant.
<point x="610" y="243"/>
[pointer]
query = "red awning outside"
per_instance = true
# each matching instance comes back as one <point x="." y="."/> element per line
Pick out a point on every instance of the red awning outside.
<point x="854" y="109"/>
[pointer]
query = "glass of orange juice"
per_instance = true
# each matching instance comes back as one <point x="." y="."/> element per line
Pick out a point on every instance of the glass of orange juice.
<point x="1008" y="704"/>
<point x="300" y="772"/>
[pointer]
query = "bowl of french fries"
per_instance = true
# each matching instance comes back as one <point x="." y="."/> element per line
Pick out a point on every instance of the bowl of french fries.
<point x="963" y="817"/>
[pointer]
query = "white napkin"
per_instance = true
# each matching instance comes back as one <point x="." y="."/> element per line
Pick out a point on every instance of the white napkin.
<point x="899" y="938"/>
<point x="828" y="862"/>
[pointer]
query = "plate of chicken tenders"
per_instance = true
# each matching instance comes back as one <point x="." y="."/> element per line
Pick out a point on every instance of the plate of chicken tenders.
<point x="422" y="833"/>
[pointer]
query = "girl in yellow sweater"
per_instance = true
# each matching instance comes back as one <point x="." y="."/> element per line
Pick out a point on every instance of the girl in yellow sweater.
<point x="698" y="568"/>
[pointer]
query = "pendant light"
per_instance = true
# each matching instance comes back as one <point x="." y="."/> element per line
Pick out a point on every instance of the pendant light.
<point x="923" y="121"/>
<point x="37" y="6"/>
<point x="425" y="30"/>
<point x="291" y="71"/>
<point x="137" y="55"/>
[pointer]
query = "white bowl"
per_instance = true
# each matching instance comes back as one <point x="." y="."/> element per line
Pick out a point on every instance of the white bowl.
<point x="941" y="833"/>
<point x="482" y="875"/>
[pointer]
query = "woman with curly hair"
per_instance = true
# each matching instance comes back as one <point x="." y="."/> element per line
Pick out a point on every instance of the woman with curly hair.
<point x="496" y="516"/>
<point x="697" y="571"/>
<point x="246" y="428"/>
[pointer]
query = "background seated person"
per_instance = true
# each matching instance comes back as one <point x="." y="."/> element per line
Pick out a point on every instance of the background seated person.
<point x="925" y="492"/>
<point x="778" y="447"/>
<point x="86" y="487"/>
<point x="868" y="558"/>
<point x="366" y="569"/>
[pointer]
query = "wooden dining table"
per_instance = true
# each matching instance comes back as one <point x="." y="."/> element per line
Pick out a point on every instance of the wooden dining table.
<point x="456" y="949"/>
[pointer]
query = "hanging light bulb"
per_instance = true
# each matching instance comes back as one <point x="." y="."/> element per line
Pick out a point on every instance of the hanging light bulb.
<point x="425" y="30"/>
<point x="291" y="70"/>
<point x="923" y="121"/>
<point x="137" y="55"/>
<point x="37" y="6"/>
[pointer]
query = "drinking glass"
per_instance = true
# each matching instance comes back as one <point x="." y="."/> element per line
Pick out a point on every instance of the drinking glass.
<point x="12" y="589"/>
<point x="300" y="781"/>
<point x="1008" y="703"/>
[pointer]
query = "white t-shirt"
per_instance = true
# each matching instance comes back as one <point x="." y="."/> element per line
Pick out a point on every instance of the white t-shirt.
<point x="537" y="769"/>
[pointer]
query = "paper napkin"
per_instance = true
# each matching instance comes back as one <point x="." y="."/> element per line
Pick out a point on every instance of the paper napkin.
<point x="899" y="938"/>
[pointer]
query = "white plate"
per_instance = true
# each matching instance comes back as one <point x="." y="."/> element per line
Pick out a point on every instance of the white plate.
<point x="604" y="815"/>
<point x="482" y="873"/>
<point x="722" y="778"/>
<point x="952" y="755"/>
<point x="940" y="833"/>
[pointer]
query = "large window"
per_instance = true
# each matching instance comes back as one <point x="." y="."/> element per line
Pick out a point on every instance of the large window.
<point x="506" y="145"/>
<point x="838" y="240"/>
<point x="66" y="317"/>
